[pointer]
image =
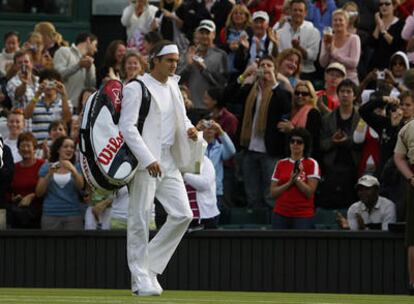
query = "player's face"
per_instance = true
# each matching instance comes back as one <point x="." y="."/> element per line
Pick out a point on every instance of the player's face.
<point x="167" y="65"/>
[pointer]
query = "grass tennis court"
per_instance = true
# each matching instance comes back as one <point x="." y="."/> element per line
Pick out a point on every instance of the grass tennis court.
<point x="92" y="296"/>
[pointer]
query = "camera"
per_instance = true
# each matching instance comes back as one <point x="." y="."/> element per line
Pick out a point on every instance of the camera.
<point x="207" y="124"/>
<point x="259" y="73"/>
<point x="55" y="165"/>
<point x="24" y="69"/>
<point x="198" y="59"/>
<point x="380" y="75"/>
<point x="50" y="84"/>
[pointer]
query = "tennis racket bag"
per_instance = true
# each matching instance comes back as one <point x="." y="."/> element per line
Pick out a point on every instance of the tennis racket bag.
<point x="106" y="161"/>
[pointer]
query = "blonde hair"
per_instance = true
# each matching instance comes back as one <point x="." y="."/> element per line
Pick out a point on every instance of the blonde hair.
<point x="286" y="53"/>
<point x="239" y="8"/>
<point x="311" y="89"/>
<point x="342" y="12"/>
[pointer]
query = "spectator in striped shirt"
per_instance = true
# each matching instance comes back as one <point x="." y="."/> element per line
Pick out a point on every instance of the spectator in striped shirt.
<point x="49" y="103"/>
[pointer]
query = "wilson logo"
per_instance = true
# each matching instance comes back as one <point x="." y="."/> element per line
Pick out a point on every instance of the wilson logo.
<point x="107" y="154"/>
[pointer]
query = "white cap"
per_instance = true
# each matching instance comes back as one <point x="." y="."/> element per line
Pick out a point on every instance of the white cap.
<point x="368" y="181"/>
<point x="337" y="66"/>
<point x="261" y="14"/>
<point x="207" y="24"/>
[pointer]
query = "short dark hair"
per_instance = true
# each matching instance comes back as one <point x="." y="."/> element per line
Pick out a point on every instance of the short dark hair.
<point x="10" y="34"/>
<point x="349" y="84"/>
<point x="54" y="149"/>
<point x="216" y="93"/>
<point x="155" y="50"/>
<point x="299" y="1"/>
<point x="56" y="123"/>
<point x="49" y="74"/>
<point x="21" y="53"/>
<point x="83" y="36"/>
<point x="306" y="137"/>
<point x="26" y="136"/>
<point x="153" y="37"/>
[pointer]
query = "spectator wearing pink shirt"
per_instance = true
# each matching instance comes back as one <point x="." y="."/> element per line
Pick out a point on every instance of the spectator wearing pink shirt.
<point x="408" y="35"/>
<point x="341" y="46"/>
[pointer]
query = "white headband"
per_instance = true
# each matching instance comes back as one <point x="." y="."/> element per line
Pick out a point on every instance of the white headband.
<point x="168" y="49"/>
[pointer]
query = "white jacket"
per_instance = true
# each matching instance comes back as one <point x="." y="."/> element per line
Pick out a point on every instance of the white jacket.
<point x="147" y="147"/>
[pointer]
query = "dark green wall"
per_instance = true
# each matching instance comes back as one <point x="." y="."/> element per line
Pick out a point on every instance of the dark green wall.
<point x="67" y="26"/>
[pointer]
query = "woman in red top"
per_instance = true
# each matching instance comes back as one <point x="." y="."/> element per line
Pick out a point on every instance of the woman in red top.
<point x="24" y="207"/>
<point x="294" y="182"/>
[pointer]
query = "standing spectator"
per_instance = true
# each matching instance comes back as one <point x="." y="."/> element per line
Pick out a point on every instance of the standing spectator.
<point x="25" y="208"/>
<point x="320" y="13"/>
<point x="372" y="211"/>
<point x="49" y="103"/>
<point x="76" y="64"/>
<point x="22" y="87"/>
<point x="6" y="172"/>
<point x="342" y="46"/>
<point x="52" y="40"/>
<point x="220" y="148"/>
<point x="171" y="17"/>
<point x="205" y="66"/>
<point x="327" y="98"/>
<point x="35" y="47"/>
<point x="294" y="182"/>
<point x="262" y="43"/>
<point x="386" y="38"/>
<point x="114" y="55"/>
<point x="60" y="184"/>
<point x="408" y="35"/>
<point x="11" y="46"/>
<point x="15" y="125"/>
<point x="289" y="63"/>
<point x="238" y="24"/>
<point x="404" y="160"/>
<point x="272" y="7"/>
<point x="139" y="19"/>
<point x="301" y="35"/>
<point x="265" y="105"/>
<point x="304" y="115"/>
<point x="340" y="156"/>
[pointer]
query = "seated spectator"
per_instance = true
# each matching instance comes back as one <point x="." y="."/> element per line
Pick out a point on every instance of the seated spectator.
<point x="22" y="87"/>
<point x="341" y="46"/>
<point x="171" y="15"/>
<point x="49" y="103"/>
<point x="304" y="115"/>
<point x="57" y="128"/>
<point x="204" y="66"/>
<point x="201" y="191"/>
<point x="320" y="13"/>
<point x="25" y="208"/>
<point x="220" y="148"/>
<point x="11" y="46"/>
<point x="327" y="98"/>
<point x="239" y="23"/>
<point x="301" y="35"/>
<point x="131" y="66"/>
<point x="372" y="211"/>
<point x="76" y="64"/>
<point x="386" y="37"/>
<point x="60" y="184"/>
<point x="340" y="155"/>
<point x="114" y="56"/>
<point x="294" y="183"/>
<point x="15" y="125"/>
<point x="289" y="64"/>
<point x="52" y="40"/>
<point x="139" y="19"/>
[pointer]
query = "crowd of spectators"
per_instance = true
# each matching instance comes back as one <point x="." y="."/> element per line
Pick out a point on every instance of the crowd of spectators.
<point x="300" y="103"/>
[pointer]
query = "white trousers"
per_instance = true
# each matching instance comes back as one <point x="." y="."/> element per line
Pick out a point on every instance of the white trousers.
<point x="143" y="256"/>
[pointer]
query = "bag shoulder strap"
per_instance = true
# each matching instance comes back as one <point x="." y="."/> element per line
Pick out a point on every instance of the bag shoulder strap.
<point x="145" y="105"/>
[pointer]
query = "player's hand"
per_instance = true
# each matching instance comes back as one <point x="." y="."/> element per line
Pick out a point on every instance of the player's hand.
<point x="154" y="169"/>
<point x="192" y="133"/>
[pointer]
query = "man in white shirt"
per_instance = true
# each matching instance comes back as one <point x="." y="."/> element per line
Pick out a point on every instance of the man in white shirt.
<point x="161" y="149"/>
<point x="372" y="211"/>
<point x="302" y="35"/>
<point x="76" y="64"/>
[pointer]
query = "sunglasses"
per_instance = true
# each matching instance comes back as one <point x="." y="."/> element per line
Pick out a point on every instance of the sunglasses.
<point x="299" y="93"/>
<point x="385" y="3"/>
<point x="296" y="141"/>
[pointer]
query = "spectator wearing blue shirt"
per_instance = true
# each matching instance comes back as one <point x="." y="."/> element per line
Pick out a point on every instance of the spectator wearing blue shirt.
<point x="60" y="183"/>
<point x="320" y="13"/>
